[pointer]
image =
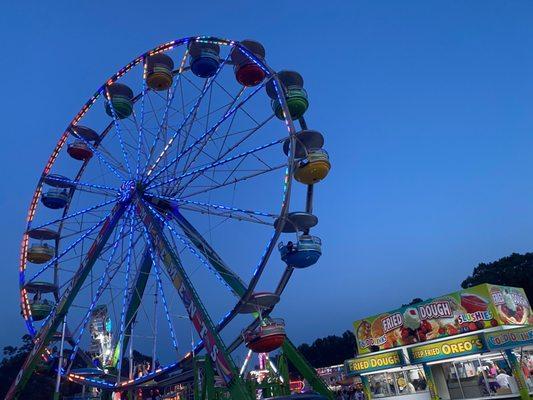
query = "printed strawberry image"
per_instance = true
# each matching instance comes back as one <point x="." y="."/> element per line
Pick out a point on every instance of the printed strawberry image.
<point x="519" y="313"/>
<point x="452" y="330"/>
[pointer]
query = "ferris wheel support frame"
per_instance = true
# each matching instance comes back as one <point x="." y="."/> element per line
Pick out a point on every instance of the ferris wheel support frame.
<point x="197" y="313"/>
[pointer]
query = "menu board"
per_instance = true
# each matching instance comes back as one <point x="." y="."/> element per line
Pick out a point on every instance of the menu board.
<point x="468" y="310"/>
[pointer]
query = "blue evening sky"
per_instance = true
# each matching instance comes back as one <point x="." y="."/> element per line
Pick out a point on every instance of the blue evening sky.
<point x="426" y="107"/>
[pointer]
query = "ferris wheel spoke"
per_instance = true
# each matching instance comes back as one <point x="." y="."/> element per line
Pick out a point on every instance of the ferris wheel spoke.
<point x="169" y="99"/>
<point x="69" y="248"/>
<point x="188" y="162"/>
<point x="216" y="264"/>
<point x="227" y="151"/>
<point x="218" y="210"/>
<point x="192" y="111"/>
<point x="126" y="295"/>
<point x="216" y="164"/>
<point x="76" y="214"/>
<point x="104" y="251"/>
<point x="228" y="215"/>
<point x="78" y="183"/>
<point x="105" y="280"/>
<point x="134" y="301"/>
<point x="141" y="126"/>
<point x="101" y="157"/>
<point x="117" y="129"/>
<point x="242" y="109"/>
<point x="154" y="262"/>
<point x="113" y="161"/>
<point x="228" y="114"/>
<point x="74" y="232"/>
<point x="205" y="251"/>
<point x="231" y="182"/>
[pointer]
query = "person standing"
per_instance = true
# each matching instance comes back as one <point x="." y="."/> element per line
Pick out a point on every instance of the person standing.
<point x="503" y="379"/>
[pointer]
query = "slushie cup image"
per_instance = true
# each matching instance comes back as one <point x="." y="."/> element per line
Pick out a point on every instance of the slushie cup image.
<point x="473" y="303"/>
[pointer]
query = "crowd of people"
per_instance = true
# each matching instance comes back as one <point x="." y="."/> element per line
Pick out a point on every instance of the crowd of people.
<point x="351" y="393"/>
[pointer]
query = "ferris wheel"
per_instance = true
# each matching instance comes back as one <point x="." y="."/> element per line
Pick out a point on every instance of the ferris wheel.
<point x="183" y="186"/>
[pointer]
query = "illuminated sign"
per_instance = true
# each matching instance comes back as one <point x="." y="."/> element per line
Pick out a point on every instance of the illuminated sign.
<point x="462" y="346"/>
<point x="374" y="362"/>
<point x="509" y="338"/>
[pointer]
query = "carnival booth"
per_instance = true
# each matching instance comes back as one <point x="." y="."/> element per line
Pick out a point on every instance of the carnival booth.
<point x="472" y="344"/>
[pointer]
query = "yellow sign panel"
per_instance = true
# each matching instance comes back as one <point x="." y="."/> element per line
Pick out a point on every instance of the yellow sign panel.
<point x="446" y="349"/>
<point x="374" y="362"/>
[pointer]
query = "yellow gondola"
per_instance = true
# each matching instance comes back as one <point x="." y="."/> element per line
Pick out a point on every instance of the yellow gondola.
<point x="313" y="168"/>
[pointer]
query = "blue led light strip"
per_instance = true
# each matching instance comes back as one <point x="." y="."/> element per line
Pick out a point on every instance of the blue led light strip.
<point x="169" y="101"/>
<point x="160" y="284"/>
<point x="75" y="214"/>
<point x="58" y="257"/>
<point x="189" y="247"/>
<point x="102" y="158"/>
<point x="141" y="123"/>
<point x="117" y="128"/>
<point x="125" y="297"/>
<point x="216" y="164"/>
<point x="217" y="206"/>
<point x="78" y="183"/>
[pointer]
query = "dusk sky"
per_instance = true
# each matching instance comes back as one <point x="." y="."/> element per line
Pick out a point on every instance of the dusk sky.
<point x="426" y="108"/>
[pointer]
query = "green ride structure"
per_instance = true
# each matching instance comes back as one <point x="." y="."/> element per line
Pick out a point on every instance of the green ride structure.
<point x="160" y="211"/>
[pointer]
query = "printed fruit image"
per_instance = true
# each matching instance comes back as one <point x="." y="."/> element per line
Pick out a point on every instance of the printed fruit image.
<point x="472" y="326"/>
<point x="364" y="331"/>
<point x="472" y="303"/>
<point x="408" y="335"/>
<point x="518" y="316"/>
<point x="452" y="330"/>
<point x="378" y="335"/>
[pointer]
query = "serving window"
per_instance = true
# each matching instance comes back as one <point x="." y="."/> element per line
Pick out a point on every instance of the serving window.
<point x="397" y="383"/>
<point x="477" y="376"/>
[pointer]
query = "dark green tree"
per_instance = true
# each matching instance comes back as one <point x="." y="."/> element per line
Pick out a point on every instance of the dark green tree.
<point x="41" y="385"/>
<point x="331" y="350"/>
<point x="514" y="270"/>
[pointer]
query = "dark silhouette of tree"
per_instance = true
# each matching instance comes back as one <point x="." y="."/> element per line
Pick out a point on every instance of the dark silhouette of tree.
<point x="42" y="383"/>
<point x="514" y="270"/>
<point x="331" y="350"/>
<point x="41" y="386"/>
<point x="416" y="300"/>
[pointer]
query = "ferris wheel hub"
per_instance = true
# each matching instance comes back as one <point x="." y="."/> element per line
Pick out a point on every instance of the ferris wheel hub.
<point x="127" y="190"/>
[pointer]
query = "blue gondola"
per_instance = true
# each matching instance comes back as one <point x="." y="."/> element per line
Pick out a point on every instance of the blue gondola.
<point x="302" y="254"/>
<point x="205" y="58"/>
<point x="55" y="199"/>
